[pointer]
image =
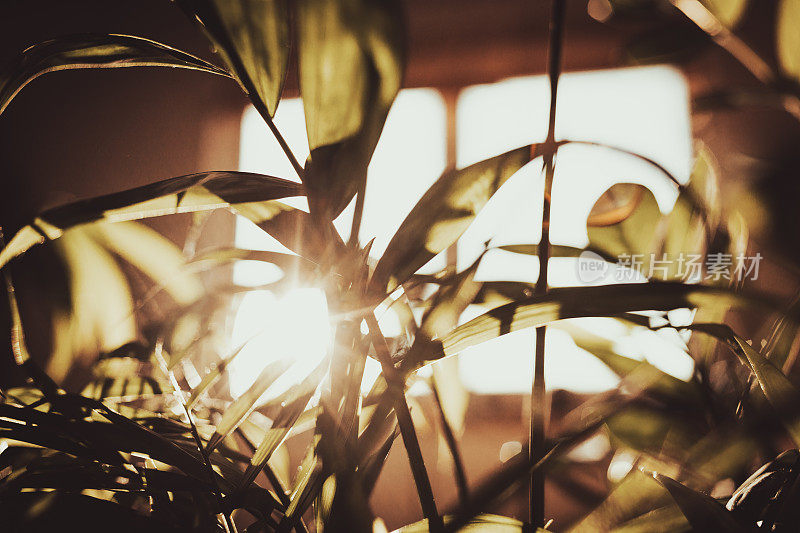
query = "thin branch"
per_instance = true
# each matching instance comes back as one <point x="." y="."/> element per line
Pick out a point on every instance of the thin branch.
<point x="406" y="424"/>
<point x="251" y="91"/>
<point x="538" y="408"/>
<point x="452" y="444"/>
<point x="264" y="112"/>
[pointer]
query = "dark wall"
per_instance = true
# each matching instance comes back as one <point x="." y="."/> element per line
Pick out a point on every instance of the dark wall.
<point x="77" y="134"/>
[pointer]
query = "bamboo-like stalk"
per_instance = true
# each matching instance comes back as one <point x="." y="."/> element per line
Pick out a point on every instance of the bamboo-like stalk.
<point x="452" y="444"/>
<point x="407" y="431"/>
<point x="538" y="408"/>
<point x="250" y="89"/>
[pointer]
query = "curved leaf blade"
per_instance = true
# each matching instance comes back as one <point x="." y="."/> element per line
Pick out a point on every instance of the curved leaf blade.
<point x="285" y="420"/>
<point x="87" y="51"/>
<point x="202" y="191"/>
<point x="574" y="302"/>
<point x="443" y="213"/>
<point x="253" y="38"/>
<point x="779" y="391"/>
<point x="247" y="402"/>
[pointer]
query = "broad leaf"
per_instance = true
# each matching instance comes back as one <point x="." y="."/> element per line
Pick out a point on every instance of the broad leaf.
<point x="315" y="240"/>
<point x="100" y="317"/>
<point x="153" y="254"/>
<point x="253" y="38"/>
<point x="624" y="223"/>
<point x="351" y="58"/>
<point x="93" y="51"/>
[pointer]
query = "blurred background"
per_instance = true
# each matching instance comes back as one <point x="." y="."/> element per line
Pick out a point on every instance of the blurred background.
<point x="644" y="80"/>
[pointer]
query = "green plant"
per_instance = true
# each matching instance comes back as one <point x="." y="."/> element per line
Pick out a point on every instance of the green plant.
<point x="142" y="449"/>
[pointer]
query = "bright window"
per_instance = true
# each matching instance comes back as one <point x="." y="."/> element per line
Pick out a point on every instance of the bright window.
<point x="642" y="109"/>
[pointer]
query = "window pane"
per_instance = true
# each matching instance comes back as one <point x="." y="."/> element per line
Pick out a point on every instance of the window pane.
<point x="644" y="110"/>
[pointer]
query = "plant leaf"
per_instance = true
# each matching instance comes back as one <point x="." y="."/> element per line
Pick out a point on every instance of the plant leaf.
<point x="669" y="518"/>
<point x="664" y="384"/>
<point x="780" y="392"/>
<point x="571" y="302"/>
<point x="313" y="239"/>
<point x="101" y="312"/>
<point x="194" y="192"/>
<point x="728" y="12"/>
<point x="766" y="491"/>
<point x="788" y="37"/>
<point x="253" y="38"/>
<point x="247" y="402"/>
<point x="351" y="58"/>
<point x="703" y="512"/>
<point x="290" y="412"/>
<point x="93" y="51"/>
<point x="153" y="254"/>
<point x="443" y="213"/>
<point x="626" y="218"/>
<point x="483" y="522"/>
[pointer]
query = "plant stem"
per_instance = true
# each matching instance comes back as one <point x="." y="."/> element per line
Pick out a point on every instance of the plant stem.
<point x="262" y="110"/>
<point x="449" y="436"/>
<point x="695" y="11"/>
<point x="538" y="409"/>
<point x="406" y="424"/>
<point x="261" y="107"/>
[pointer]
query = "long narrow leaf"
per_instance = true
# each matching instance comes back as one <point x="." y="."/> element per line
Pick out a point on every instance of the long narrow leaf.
<point x="194" y="192"/>
<point x="284" y="421"/>
<point x="93" y="51"/>
<point x="703" y="512"/>
<point x="443" y="214"/>
<point x="247" y="402"/>
<point x="574" y="302"/>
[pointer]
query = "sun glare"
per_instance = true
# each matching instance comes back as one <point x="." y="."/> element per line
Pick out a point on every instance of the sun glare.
<point x="293" y="326"/>
<point x="644" y="109"/>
